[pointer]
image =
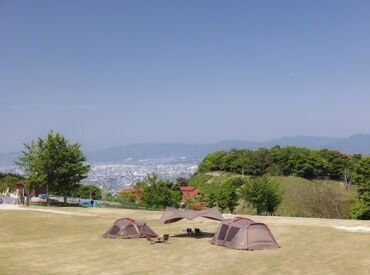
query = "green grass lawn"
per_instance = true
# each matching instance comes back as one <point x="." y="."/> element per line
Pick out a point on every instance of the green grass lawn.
<point x="49" y="243"/>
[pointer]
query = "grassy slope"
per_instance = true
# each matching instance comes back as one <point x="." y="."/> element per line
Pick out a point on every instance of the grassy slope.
<point x="307" y="198"/>
<point x="47" y="243"/>
<point x="331" y="198"/>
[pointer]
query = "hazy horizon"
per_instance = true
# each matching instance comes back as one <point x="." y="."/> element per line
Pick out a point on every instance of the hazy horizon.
<point x="182" y="142"/>
<point x="127" y="72"/>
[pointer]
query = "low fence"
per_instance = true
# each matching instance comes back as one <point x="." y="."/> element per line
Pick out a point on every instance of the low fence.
<point x="4" y="199"/>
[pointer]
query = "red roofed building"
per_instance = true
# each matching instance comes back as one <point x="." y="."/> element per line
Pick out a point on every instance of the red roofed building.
<point x="188" y="192"/>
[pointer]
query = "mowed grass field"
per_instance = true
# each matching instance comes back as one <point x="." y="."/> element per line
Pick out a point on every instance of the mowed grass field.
<point x="33" y="242"/>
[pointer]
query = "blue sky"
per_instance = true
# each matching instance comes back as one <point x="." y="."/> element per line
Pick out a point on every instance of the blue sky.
<point x="108" y="73"/>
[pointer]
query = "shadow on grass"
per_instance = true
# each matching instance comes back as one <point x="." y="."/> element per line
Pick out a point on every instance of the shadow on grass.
<point x="202" y="235"/>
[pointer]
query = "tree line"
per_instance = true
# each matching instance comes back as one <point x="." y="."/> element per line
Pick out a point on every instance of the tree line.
<point x="263" y="194"/>
<point x="59" y="165"/>
<point x="287" y="161"/>
<point x="300" y="162"/>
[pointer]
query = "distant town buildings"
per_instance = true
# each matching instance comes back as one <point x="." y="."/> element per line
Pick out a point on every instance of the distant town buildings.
<point x="116" y="176"/>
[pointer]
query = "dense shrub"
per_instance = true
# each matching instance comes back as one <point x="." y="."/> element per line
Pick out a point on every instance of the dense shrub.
<point x="361" y="207"/>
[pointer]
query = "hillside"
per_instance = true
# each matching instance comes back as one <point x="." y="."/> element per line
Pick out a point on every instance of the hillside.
<point x="301" y="197"/>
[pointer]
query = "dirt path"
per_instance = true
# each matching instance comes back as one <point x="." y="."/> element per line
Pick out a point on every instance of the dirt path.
<point x="18" y="208"/>
<point x="339" y="224"/>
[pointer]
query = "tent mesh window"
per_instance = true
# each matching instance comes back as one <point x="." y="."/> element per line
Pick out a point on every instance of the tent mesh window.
<point x="223" y="230"/>
<point x="131" y="230"/>
<point x="232" y="232"/>
<point x="114" y="231"/>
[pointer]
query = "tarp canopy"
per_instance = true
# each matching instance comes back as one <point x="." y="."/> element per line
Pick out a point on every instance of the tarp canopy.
<point x="171" y="214"/>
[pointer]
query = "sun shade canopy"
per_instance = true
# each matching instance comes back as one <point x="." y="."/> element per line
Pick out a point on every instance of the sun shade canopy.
<point x="171" y="214"/>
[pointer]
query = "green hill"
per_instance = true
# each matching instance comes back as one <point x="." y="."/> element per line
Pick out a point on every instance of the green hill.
<point x="301" y="197"/>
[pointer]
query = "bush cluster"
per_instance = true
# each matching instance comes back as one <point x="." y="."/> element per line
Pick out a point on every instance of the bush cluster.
<point x="287" y="161"/>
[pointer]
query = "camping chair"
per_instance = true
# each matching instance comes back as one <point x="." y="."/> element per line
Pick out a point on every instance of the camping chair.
<point x="197" y="232"/>
<point x="189" y="231"/>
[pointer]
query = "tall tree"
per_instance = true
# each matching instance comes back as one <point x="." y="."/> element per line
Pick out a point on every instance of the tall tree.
<point x="227" y="196"/>
<point x="361" y="207"/>
<point x="55" y="163"/>
<point x="159" y="193"/>
<point x="89" y="191"/>
<point x="30" y="162"/>
<point x="263" y="194"/>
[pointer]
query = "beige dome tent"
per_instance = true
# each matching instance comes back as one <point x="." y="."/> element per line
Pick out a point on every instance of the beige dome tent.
<point x="244" y="233"/>
<point x="126" y="228"/>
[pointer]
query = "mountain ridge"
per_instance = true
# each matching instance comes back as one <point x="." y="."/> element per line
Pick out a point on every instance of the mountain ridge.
<point x="359" y="143"/>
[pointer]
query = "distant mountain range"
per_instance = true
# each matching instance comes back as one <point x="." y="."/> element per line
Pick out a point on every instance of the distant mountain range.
<point x="354" y="144"/>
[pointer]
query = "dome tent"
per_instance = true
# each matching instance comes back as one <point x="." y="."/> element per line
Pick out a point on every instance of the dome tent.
<point x="244" y="233"/>
<point x="127" y="228"/>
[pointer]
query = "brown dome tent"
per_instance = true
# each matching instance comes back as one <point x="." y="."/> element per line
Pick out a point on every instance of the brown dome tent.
<point x="126" y="228"/>
<point x="244" y="233"/>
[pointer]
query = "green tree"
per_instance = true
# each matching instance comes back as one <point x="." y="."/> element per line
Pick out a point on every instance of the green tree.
<point x="54" y="162"/>
<point x="126" y="199"/>
<point x="258" y="163"/>
<point x="8" y="181"/>
<point x="361" y="207"/>
<point x="263" y="194"/>
<point x="223" y="194"/>
<point x="227" y="196"/>
<point x="336" y="163"/>
<point x="31" y="162"/>
<point x="361" y="170"/>
<point x="88" y="191"/>
<point x="211" y="198"/>
<point x="212" y="162"/>
<point x="107" y="196"/>
<point x="181" y="181"/>
<point x="159" y="193"/>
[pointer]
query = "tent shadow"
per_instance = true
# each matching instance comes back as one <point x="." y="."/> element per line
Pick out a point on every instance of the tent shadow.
<point x="202" y="235"/>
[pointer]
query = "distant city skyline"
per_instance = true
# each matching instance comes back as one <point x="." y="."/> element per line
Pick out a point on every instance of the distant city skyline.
<point x="124" y="72"/>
